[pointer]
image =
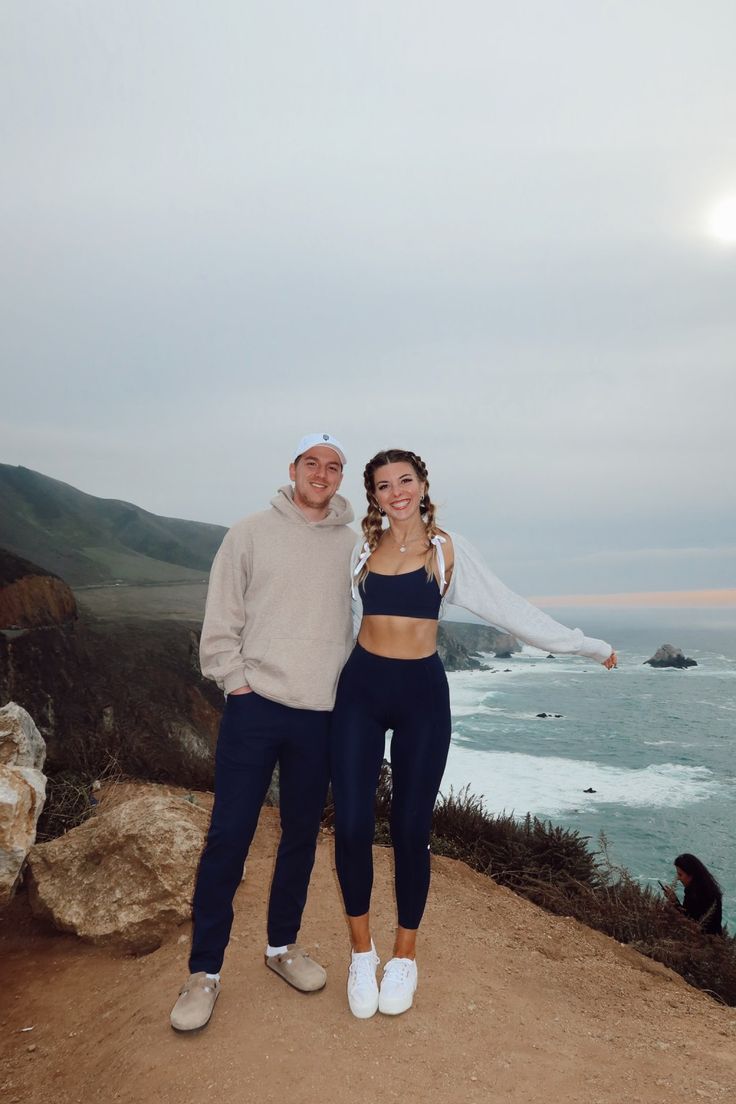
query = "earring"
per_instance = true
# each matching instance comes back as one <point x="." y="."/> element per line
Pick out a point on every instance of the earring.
<point x="381" y="512"/>
<point x="423" y="503"/>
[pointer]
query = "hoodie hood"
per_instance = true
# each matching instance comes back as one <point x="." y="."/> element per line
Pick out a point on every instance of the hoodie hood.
<point x="340" y="511"/>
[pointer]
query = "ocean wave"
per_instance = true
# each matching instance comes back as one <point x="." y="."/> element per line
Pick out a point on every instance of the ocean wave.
<point x="471" y="710"/>
<point x="553" y="786"/>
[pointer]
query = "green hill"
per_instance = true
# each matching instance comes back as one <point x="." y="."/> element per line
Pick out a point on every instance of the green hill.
<point x="89" y="540"/>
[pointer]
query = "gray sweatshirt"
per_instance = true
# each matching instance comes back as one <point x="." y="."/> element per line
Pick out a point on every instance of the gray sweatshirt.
<point x="278" y="617"/>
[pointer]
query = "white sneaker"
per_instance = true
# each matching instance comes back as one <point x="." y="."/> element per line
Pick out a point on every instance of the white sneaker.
<point x="362" y="984"/>
<point x="398" y="986"/>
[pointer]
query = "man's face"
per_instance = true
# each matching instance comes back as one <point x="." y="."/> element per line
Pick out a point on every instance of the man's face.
<point x="316" y="477"/>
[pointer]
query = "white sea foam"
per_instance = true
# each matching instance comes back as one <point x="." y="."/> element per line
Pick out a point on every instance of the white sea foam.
<point x="553" y="786"/>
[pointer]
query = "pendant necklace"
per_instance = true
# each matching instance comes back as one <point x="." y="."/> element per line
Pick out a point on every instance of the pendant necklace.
<point x="409" y="540"/>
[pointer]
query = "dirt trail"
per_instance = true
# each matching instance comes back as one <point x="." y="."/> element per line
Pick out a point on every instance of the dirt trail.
<point x="513" y="1005"/>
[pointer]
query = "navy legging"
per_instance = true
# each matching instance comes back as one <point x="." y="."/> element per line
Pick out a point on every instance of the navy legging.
<point x="411" y="697"/>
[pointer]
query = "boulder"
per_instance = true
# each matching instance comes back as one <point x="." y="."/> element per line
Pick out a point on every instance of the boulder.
<point x="21" y="744"/>
<point x="670" y="656"/>
<point x="22" y="792"/>
<point x="125" y="877"/>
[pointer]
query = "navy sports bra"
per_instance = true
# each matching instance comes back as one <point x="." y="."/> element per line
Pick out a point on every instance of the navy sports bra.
<point x="410" y="594"/>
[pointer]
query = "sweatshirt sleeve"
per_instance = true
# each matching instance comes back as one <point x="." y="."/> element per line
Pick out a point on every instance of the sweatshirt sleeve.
<point x="220" y="654"/>
<point x="357" y="601"/>
<point x="474" y="587"/>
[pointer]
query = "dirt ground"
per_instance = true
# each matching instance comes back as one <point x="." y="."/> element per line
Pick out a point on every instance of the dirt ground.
<point x="513" y="1005"/>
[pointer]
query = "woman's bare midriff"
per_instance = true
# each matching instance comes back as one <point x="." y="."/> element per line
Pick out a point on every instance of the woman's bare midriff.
<point x="398" y="637"/>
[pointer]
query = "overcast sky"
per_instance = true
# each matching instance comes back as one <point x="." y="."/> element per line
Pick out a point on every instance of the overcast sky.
<point x="473" y="229"/>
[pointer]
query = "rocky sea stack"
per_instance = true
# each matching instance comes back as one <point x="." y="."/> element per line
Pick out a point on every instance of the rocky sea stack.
<point x="670" y="656"/>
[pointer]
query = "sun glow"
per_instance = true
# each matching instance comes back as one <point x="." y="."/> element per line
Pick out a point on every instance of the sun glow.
<point x="722" y="221"/>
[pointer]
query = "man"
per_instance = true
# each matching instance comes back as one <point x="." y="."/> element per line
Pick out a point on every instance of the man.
<point x="276" y="633"/>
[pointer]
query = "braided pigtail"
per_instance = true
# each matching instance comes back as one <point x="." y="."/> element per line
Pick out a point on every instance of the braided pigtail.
<point x="429" y="510"/>
<point x="372" y="523"/>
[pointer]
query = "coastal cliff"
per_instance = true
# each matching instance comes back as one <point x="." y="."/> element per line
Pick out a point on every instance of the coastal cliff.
<point x="459" y="643"/>
<point x="129" y="692"/>
<point x="31" y="597"/>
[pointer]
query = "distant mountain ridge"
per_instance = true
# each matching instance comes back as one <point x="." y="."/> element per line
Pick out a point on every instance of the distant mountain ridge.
<point x="88" y="540"/>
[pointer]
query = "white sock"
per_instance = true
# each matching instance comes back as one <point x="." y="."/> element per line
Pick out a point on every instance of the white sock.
<point x="361" y="954"/>
<point x="271" y="951"/>
<point x="213" y="977"/>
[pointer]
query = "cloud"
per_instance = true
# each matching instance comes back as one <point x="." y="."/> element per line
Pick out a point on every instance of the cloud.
<point x="463" y="231"/>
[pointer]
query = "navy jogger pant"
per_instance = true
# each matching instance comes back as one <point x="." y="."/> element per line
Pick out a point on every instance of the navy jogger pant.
<point x="255" y="734"/>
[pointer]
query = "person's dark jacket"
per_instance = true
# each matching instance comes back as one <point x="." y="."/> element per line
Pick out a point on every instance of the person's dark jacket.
<point x="704" y="906"/>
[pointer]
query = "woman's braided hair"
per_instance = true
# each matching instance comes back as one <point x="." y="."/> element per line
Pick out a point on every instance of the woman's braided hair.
<point x="373" y="521"/>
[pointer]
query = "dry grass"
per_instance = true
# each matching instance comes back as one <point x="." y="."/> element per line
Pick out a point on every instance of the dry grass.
<point x="70" y="797"/>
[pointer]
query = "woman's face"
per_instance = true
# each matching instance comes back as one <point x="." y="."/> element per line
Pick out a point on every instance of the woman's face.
<point x="683" y="877"/>
<point x="398" y="490"/>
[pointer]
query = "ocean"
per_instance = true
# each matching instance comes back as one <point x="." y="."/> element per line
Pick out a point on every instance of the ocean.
<point x="655" y="746"/>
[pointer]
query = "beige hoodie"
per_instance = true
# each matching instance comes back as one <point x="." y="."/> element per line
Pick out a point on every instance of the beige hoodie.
<point x="278" y="613"/>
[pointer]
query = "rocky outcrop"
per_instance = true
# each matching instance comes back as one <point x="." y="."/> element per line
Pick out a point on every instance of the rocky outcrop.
<point x="125" y="877"/>
<point x="670" y="656"/>
<point x="22" y="792"/>
<point x="454" y="655"/>
<point x="31" y="597"/>
<point x="458" y="643"/>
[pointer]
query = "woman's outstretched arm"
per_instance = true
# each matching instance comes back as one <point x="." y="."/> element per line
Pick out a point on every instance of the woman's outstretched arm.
<point x="474" y="587"/>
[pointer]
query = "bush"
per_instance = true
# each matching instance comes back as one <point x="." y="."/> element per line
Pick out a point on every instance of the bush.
<point x="70" y="797"/>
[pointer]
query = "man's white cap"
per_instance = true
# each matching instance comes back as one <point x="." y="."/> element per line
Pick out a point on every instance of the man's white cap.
<point x="325" y="439"/>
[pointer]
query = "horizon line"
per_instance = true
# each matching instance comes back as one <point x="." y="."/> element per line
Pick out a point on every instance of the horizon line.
<point x="675" y="599"/>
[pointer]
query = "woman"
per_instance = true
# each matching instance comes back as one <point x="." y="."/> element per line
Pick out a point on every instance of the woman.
<point x="703" y="898"/>
<point x="394" y="679"/>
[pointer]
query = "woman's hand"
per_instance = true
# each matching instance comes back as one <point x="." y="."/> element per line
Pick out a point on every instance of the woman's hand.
<point x="670" y="894"/>
<point x="611" y="662"/>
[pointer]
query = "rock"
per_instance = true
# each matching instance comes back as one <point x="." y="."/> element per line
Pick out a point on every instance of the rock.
<point x="21" y="744"/>
<point x="543" y="714"/>
<point x="590" y="790"/>
<point x="670" y="656"/>
<point x="22" y="792"/>
<point x="22" y="795"/>
<point x="550" y="656"/>
<point x="31" y="597"/>
<point x="125" y="877"/>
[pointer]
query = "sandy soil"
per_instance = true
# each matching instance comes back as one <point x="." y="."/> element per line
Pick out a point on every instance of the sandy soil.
<point x="513" y="1005"/>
